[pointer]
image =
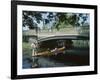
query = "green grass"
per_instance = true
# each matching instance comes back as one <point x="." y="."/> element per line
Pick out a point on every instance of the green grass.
<point x="27" y="50"/>
<point x="81" y="43"/>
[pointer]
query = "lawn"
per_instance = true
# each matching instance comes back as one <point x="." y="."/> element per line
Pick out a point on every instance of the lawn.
<point x="27" y="50"/>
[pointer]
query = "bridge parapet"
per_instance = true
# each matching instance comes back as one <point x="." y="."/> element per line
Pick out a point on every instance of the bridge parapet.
<point x="62" y="37"/>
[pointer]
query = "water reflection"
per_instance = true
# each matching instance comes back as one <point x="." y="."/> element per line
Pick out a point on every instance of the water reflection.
<point x="73" y="57"/>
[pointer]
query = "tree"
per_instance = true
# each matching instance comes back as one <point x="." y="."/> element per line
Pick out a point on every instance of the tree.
<point x="29" y="17"/>
<point x="61" y="18"/>
<point x="74" y="19"/>
<point x="32" y="18"/>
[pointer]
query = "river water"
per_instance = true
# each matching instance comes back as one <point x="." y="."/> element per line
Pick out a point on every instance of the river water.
<point x="75" y="57"/>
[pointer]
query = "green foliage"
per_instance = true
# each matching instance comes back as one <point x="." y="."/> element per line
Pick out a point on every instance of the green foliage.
<point x="27" y="48"/>
<point x="28" y="18"/>
<point x="81" y="43"/>
<point x="59" y="18"/>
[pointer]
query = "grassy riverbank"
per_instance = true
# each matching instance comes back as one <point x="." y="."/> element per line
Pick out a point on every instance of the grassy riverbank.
<point x="27" y="50"/>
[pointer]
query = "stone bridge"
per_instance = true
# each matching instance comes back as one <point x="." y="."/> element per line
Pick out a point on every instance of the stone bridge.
<point x="62" y="37"/>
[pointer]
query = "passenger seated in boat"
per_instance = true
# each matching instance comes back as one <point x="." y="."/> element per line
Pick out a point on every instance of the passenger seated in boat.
<point x="58" y="50"/>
